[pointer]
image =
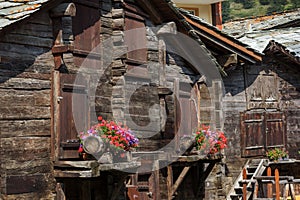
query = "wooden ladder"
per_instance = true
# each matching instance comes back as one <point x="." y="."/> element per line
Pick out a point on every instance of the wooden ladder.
<point x="243" y="187"/>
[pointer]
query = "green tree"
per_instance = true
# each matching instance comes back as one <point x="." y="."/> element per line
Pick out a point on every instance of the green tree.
<point x="277" y="6"/>
<point x="295" y="3"/>
<point x="248" y="4"/>
<point x="264" y="2"/>
<point x="225" y="11"/>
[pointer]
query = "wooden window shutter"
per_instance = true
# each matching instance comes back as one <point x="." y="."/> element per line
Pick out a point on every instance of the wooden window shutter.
<point x="252" y="134"/>
<point x="86" y="29"/>
<point x="74" y="114"/>
<point x="261" y="131"/>
<point x="186" y="113"/>
<point x="135" y="39"/>
<point x="275" y="129"/>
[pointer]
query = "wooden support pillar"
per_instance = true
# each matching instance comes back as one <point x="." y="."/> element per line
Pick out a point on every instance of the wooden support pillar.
<point x="118" y="185"/>
<point x="217" y="15"/>
<point x="60" y="195"/>
<point x="155" y="174"/>
<point x="177" y="113"/>
<point x="57" y="33"/>
<point x="169" y="181"/>
<point x="244" y="184"/>
<point x="277" y="184"/>
<point x="162" y="82"/>
<point x="269" y="185"/>
<point x="62" y="10"/>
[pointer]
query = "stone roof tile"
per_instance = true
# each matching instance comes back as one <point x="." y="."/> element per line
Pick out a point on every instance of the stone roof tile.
<point x="14" y="10"/>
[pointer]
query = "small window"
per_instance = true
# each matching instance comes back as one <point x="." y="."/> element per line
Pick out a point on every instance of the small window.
<point x="193" y="11"/>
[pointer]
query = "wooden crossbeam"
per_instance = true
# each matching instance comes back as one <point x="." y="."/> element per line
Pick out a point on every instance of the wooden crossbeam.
<point x="172" y="188"/>
<point x="180" y="179"/>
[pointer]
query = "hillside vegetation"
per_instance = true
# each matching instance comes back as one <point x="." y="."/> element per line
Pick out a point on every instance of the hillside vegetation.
<point x="236" y="9"/>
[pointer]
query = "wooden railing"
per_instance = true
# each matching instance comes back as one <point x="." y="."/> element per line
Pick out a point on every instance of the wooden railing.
<point x="261" y="192"/>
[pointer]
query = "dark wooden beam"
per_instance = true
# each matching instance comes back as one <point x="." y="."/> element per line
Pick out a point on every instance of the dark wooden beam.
<point x="147" y="5"/>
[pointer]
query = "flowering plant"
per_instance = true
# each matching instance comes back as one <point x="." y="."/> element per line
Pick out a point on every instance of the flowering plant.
<point x="213" y="141"/>
<point x="277" y="153"/>
<point x="118" y="136"/>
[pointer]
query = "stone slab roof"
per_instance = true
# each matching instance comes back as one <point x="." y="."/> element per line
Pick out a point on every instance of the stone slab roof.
<point x="12" y="11"/>
<point x="280" y="29"/>
<point x="280" y="20"/>
<point x="219" y="38"/>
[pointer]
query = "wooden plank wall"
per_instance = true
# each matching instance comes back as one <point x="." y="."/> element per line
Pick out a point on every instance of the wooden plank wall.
<point x="25" y="65"/>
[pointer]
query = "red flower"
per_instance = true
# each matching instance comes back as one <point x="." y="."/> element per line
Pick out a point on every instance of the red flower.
<point x="100" y="118"/>
<point x="80" y="150"/>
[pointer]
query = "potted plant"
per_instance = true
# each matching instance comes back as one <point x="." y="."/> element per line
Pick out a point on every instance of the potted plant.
<point x="209" y="141"/>
<point x="277" y="154"/>
<point x="117" y="139"/>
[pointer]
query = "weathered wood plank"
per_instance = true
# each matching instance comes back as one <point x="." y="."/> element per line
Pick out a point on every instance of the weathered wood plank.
<point x="25" y="112"/>
<point x="47" y="194"/>
<point x="19" y="144"/>
<point x="19" y="48"/>
<point x="27" y="40"/>
<point x="25" y="183"/>
<point x="30" y="166"/>
<point x="15" y="128"/>
<point x="24" y="98"/>
<point x="73" y="174"/>
<point x="24" y="83"/>
<point x="47" y="33"/>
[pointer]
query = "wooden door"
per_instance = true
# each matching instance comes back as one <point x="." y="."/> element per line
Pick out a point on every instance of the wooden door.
<point x="261" y="131"/>
<point x="73" y="115"/>
<point x="186" y="120"/>
<point x="86" y="30"/>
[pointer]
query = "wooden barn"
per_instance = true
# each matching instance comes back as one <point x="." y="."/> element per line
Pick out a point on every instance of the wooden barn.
<point x="63" y="63"/>
<point x="261" y="102"/>
<point x="157" y="69"/>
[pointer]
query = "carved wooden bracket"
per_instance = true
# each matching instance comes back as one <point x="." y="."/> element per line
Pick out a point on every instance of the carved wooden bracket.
<point x="169" y="27"/>
<point x="65" y="9"/>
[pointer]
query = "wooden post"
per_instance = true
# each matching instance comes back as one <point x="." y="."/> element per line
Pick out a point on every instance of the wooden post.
<point x="60" y="195"/>
<point x="177" y="112"/>
<point x="292" y="191"/>
<point x="255" y="190"/>
<point x="169" y="181"/>
<point x="269" y="185"/>
<point x="244" y="184"/>
<point x="277" y="184"/>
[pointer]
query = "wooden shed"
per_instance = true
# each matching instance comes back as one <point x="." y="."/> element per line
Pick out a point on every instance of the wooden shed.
<point x="261" y="102"/>
<point x="63" y="63"/>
